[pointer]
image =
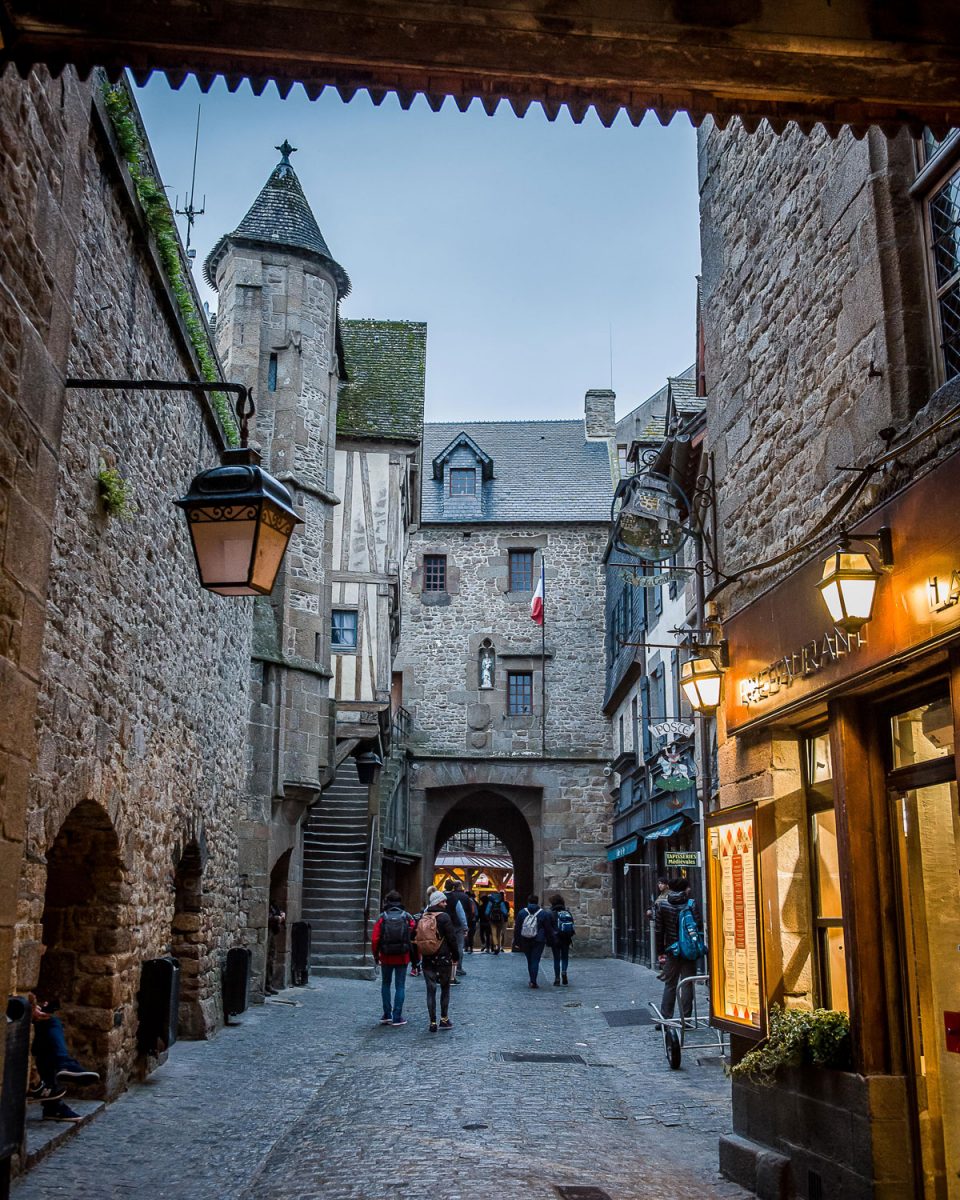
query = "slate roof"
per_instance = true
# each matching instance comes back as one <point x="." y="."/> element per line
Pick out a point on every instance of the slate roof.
<point x="647" y="422"/>
<point x="280" y="216"/>
<point x="386" y="365"/>
<point x="543" y="471"/>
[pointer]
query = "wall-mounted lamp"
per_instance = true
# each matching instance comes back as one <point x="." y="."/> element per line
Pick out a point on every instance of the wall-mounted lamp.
<point x="849" y="582"/>
<point x="701" y="679"/>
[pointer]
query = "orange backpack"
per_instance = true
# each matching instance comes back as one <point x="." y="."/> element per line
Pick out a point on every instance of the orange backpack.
<point x="430" y="941"/>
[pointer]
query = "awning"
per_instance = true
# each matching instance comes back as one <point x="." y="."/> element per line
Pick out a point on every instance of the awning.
<point x="622" y="849"/>
<point x="665" y="829"/>
<point x="480" y="862"/>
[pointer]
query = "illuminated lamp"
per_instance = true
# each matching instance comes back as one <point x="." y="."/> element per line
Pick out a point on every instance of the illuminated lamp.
<point x="701" y="680"/>
<point x="849" y="581"/>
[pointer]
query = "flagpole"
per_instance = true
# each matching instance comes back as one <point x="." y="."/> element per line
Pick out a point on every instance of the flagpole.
<point x="543" y="662"/>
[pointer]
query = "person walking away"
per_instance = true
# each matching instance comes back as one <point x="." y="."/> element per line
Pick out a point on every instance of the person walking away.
<point x="457" y="914"/>
<point x="533" y="930"/>
<point x="472" y="913"/>
<point x="436" y="944"/>
<point x="393" y="951"/>
<point x="483" y="923"/>
<point x="566" y="931"/>
<point x="498" y="911"/>
<point x="674" y="963"/>
<point x="663" y="887"/>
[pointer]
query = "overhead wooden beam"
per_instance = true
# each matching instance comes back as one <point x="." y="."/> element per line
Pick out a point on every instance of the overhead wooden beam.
<point x="854" y="63"/>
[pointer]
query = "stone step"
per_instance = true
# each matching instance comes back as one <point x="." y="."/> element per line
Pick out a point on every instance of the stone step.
<point x="319" y="971"/>
<point x="339" y="955"/>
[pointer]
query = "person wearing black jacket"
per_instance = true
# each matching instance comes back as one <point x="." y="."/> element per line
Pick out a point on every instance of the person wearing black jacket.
<point x="666" y="924"/>
<point x="438" y="967"/>
<point x="532" y="947"/>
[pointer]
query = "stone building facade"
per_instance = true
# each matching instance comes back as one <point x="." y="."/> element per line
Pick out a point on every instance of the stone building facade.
<point x="499" y="500"/>
<point x="829" y="286"/>
<point x="130" y="847"/>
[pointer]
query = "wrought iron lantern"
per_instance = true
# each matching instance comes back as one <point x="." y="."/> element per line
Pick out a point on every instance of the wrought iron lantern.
<point x="650" y="521"/>
<point x="701" y="680"/>
<point x="368" y="763"/>
<point x="240" y="520"/>
<point x="849" y="581"/>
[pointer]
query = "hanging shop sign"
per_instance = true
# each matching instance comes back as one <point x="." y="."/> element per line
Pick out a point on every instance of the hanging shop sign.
<point x="657" y="579"/>
<point x="733" y="892"/>
<point x="681" y="858"/>
<point x="781" y="654"/>
<point x="623" y="849"/>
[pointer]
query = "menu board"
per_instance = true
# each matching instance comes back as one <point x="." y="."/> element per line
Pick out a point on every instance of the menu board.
<point x="735" y="964"/>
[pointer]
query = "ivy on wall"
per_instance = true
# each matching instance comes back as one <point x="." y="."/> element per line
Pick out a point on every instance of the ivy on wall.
<point x="156" y="208"/>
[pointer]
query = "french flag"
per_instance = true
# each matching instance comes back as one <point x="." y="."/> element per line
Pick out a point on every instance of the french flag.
<point x="536" y="604"/>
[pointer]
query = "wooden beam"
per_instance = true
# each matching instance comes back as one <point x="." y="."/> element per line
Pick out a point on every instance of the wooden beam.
<point x="856" y="63"/>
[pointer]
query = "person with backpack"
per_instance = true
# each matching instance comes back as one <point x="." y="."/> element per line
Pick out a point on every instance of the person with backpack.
<point x="473" y="916"/>
<point x="498" y="913"/>
<point x="566" y="931"/>
<point x="679" y="945"/>
<point x="436" y="943"/>
<point x="457" y="912"/>
<point x="533" y="930"/>
<point x="483" y="924"/>
<point x="393" y="950"/>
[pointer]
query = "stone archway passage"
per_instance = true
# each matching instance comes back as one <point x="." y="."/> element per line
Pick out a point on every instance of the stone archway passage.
<point x="187" y="941"/>
<point x="88" y="961"/>
<point x="484" y="809"/>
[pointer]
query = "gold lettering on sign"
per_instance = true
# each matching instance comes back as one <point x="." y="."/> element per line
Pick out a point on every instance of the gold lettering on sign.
<point x="944" y="595"/>
<point x="808" y="660"/>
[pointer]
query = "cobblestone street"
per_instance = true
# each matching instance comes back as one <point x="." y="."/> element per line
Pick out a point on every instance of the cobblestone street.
<point x="317" y="1100"/>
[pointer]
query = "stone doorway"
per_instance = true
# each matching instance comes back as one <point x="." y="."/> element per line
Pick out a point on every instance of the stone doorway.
<point x="188" y="939"/>
<point x="278" y="940"/>
<point x="88" y="962"/>
<point x="499" y="816"/>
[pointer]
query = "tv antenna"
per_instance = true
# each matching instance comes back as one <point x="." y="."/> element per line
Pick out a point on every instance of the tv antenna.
<point x="190" y="210"/>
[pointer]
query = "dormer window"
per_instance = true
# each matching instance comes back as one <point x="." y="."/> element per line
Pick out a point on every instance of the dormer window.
<point x="463" y="481"/>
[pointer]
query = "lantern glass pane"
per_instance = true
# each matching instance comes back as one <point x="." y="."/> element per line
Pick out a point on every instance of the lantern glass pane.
<point x="709" y="686"/>
<point x="275" y="530"/>
<point x="690" y="691"/>
<point x="831" y="596"/>
<point x="223" y="547"/>
<point x="858" y="597"/>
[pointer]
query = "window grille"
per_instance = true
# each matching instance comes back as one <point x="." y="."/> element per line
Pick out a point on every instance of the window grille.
<point x="434" y="572"/>
<point x="463" y="481"/>
<point x="942" y="201"/>
<point x="520" y="693"/>
<point x="521" y="570"/>
<point x="343" y="629"/>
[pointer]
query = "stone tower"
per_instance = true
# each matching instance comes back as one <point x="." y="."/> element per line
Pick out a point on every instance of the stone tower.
<point x="278" y="333"/>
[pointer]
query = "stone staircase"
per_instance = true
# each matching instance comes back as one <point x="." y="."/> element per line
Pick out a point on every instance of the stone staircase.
<point x="335" y="878"/>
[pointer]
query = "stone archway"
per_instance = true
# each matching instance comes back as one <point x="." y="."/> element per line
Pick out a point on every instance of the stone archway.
<point x="188" y="939"/>
<point x="500" y="815"/>
<point x="88" y="963"/>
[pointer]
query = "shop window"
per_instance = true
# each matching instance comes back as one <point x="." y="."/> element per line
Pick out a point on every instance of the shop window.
<point x="827" y="903"/>
<point x="434" y="572"/>
<point x="922" y="734"/>
<point x="343" y="629"/>
<point x="521" y="570"/>
<point x="519" y="693"/>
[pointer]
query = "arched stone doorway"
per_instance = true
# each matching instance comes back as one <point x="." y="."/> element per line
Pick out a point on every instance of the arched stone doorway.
<point x="277" y="936"/>
<point x="188" y="939"/>
<point x="88" y="962"/>
<point x="482" y="808"/>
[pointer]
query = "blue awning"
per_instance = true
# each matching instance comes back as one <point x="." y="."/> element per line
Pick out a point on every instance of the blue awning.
<point x="665" y="829"/>
<point x="622" y="849"/>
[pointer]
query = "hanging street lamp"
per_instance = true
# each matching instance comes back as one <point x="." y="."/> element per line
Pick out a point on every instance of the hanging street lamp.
<point x="701" y="679"/>
<point x="849" y="581"/>
<point x="368" y="763"/>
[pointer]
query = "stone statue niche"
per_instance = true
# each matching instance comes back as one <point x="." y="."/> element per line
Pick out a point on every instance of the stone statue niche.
<point x="487" y="665"/>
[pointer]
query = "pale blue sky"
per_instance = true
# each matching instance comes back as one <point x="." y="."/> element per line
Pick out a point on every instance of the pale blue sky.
<point x="521" y="243"/>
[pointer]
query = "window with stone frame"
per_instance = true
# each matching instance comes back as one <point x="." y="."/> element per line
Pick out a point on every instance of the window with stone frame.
<point x="520" y="693"/>
<point x="521" y="570"/>
<point x="938" y="184"/>
<point x="434" y="572"/>
<point x="343" y="629"/>
<point x="463" y="481"/>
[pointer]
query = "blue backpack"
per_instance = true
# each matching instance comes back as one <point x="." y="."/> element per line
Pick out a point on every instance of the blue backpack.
<point x="565" y="926"/>
<point x="690" y="942"/>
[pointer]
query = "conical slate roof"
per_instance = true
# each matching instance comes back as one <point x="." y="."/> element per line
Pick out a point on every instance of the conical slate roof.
<point x="280" y="216"/>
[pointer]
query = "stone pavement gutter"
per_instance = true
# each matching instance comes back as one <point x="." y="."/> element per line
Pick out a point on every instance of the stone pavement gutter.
<point x="315" y="1101"/>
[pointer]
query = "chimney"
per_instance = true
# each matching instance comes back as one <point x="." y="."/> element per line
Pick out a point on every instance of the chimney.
<point x="600" y="413"/>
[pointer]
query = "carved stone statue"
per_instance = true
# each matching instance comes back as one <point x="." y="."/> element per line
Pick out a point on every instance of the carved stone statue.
<point x="486" y="667"/>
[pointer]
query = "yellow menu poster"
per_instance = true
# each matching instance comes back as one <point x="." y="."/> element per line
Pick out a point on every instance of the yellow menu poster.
<point x="734" y="944"/>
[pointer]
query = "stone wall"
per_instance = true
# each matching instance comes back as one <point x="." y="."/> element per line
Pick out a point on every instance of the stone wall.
<point x="816" y="324"/>
<point x="442" y="633"/>
<point x="42" y="122"/>
<point x="142" y="705"/>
